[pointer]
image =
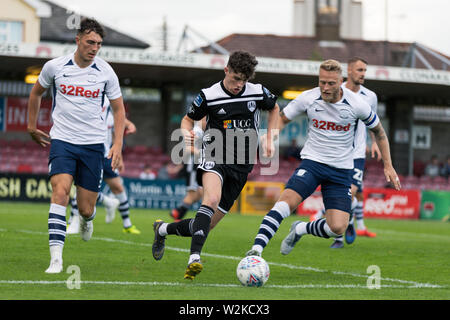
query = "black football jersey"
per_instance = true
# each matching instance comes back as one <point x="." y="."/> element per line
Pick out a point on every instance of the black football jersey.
<point x="231" y="134"/>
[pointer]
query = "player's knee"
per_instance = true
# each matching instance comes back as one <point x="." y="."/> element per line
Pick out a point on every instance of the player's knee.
<point x="338" y="227"/>
<point x="85" y="210"/>
<point x="291" y="198"/>
<point x="116" y="187"/>
<point x="211" y="201"/>
<point x="60" y="196"/>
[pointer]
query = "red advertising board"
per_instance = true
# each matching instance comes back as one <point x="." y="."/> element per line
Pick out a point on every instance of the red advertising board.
<point x="378" y="203"/>
<point x="16" y="116"/>
<point x="391" y="204"/>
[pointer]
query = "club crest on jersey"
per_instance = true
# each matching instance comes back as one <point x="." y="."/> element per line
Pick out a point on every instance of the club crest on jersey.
<point x="92" y="78"/>
<point x="251" y="105"/>
<point x="227" y="124"/>
<point x="344" y="113"/>
<point x="209" y="165"/>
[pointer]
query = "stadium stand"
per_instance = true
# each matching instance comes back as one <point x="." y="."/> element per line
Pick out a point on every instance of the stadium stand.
<point x="137" y="156"/>
<point x="27" y="157"/>
<point x="23" y="157"/>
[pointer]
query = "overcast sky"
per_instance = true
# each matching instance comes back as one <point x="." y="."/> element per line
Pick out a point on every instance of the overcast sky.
<point x="424" y="21"/>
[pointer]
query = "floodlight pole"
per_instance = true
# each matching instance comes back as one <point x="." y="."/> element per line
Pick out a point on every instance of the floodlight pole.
<point x="184" y="37"/>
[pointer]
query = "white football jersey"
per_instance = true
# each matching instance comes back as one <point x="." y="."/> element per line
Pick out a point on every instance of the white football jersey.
<point x="78" y="98"/>
<point x="331" y="129"/>
<point x="361" y="132"/>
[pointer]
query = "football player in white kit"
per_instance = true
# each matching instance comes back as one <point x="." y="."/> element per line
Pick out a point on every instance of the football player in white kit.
<point x="356" y="70"/>
<point x="79" y="83"/>
<point x="327" y="159"/>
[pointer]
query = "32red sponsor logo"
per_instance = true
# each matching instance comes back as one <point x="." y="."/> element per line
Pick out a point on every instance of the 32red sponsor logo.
<point x="79" y="91"/>
<point x="329" y="125"/>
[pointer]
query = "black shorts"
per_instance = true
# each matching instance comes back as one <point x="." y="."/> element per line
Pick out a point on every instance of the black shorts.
<point x="232" y="182"/>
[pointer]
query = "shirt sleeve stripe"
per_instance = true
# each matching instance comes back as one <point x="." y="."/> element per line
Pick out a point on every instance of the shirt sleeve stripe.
<point x="373" y="120"/>
<point x="370" y="115"/>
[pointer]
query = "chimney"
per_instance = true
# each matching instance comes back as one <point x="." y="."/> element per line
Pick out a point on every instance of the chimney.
<point x="330" y="20"/>
<point x="327" y="21"/>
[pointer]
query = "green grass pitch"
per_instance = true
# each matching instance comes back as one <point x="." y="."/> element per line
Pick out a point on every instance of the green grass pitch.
<point x="413" y="259"/>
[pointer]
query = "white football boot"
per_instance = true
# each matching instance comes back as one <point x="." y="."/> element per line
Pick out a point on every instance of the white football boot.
<point x="56" y="262"/>
<point x="86" y="229"/>
<point x="74" y="226"/>
<point x="111" y="205"/>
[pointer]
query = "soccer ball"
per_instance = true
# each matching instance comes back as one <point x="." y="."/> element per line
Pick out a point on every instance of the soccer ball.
<point x="253" y="271"/>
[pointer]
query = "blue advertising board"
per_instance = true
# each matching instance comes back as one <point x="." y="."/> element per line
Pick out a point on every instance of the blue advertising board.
<point x="154" y="194"/>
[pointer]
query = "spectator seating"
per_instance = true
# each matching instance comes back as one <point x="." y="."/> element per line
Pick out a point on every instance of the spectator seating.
<point x="23" y="157"/>
<point x="136" y="157"/>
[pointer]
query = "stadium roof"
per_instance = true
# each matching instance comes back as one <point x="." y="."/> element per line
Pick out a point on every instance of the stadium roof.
<point x="143" y="68"/>
<point x="381" y="53"/>
<point x="54" y="29"/>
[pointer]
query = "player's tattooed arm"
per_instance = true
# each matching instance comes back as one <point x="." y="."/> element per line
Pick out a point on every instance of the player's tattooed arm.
<point x="379" y="132"/>
<point x="383" y="144"/>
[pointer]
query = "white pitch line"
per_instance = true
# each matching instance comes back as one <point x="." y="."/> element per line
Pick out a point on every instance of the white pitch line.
<point x="220" y="285"/>
<point x="289" y="266"/>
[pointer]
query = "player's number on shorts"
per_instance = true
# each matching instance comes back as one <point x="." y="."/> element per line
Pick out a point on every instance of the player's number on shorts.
<point x="358" y="175"/>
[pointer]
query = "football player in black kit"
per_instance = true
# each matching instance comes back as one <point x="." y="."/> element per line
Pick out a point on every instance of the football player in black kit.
<point x="232" y="107"/>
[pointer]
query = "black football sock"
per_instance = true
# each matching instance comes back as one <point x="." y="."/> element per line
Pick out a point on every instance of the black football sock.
<point x="200" y="228"/>
<point x="182" y="228"/>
